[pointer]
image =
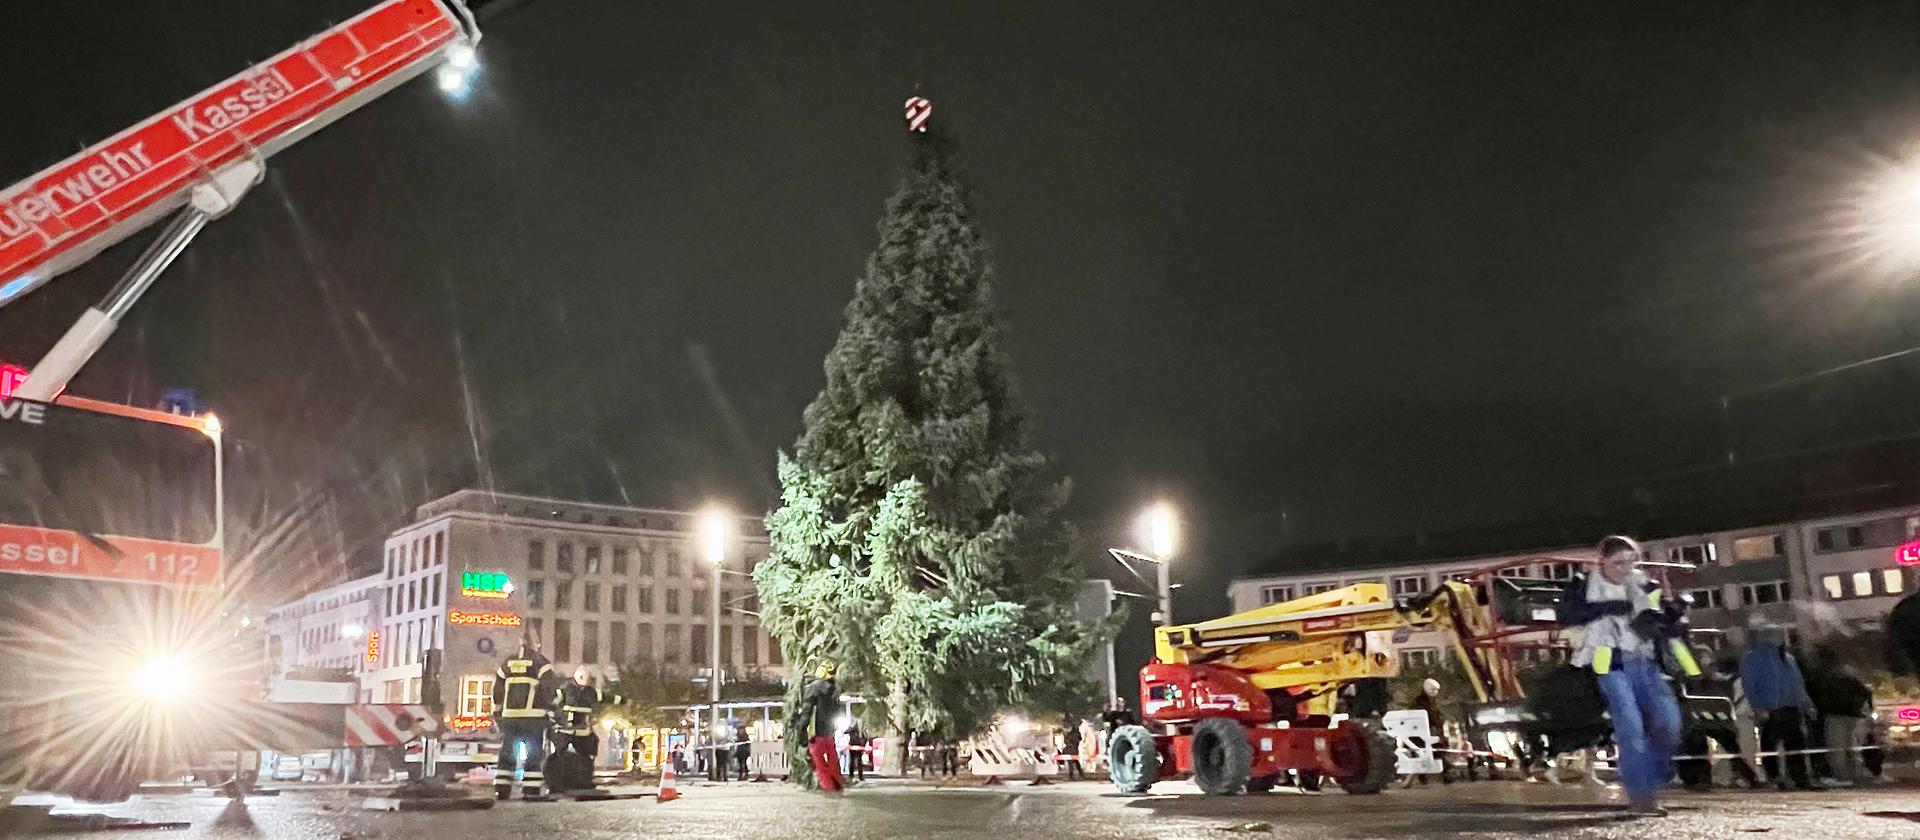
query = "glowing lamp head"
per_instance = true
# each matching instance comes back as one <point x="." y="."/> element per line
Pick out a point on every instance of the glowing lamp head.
<point x="162" y="678"/>
<point x="352" y="631"/>
<point x="716" y="532"/>
<point x="1159" y="530"/>
<point x="461" y="56"/>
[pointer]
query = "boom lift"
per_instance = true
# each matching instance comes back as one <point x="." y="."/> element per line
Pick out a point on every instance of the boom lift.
<point x="1239" y="701"/>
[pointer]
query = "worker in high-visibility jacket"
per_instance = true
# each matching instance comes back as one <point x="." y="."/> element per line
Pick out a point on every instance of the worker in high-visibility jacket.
<point x="1624" y="624"/>
<point x="573" y="711"/>
<point x="523" y="690"/>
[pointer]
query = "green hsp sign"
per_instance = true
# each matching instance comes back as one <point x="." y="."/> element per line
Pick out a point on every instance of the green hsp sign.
<point x="485" y="585"/>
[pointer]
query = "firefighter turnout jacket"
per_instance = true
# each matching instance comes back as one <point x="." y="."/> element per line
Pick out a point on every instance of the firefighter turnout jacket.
<point x="574" y="707"/>
<point x="524" y="686"/>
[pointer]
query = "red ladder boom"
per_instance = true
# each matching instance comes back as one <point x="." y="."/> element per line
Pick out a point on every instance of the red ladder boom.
<point x="64" y="215"/>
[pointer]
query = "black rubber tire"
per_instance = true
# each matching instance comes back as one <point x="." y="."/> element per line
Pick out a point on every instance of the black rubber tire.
<point x="1222" y="757"/>
<point x="1133" y="759"/>
<point x="1263" y="784"/>
<point x="1374" y="751"/>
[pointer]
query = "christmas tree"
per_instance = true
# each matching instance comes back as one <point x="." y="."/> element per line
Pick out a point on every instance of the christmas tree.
<point x="919" y="542"/>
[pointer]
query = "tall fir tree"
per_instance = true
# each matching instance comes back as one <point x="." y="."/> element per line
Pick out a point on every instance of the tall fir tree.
<point x="919" y="542"/>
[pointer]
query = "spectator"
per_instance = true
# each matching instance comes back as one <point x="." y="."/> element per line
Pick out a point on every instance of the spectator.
<point x="856" y="752"/>
<point x="1619" y="613"/>
<point x="1778" y="694"/>
<point x="1071" y="740"/>
<point x="742" y="750"/>
<point x="1843" y="703"/>
<point x="1710" y="697"/>
<point x="1429" y="702"/>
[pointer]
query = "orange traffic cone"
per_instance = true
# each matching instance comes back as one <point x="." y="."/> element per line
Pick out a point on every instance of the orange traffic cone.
<point x="668" y="791"/>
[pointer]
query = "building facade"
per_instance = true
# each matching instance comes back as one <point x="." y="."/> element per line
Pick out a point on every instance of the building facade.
<point x="325" y="629"/>
<point x="595" y="585"/>
<point x="1823" y="576"/>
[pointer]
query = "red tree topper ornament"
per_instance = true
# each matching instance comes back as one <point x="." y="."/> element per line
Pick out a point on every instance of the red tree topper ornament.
<point x="919" y="109"/>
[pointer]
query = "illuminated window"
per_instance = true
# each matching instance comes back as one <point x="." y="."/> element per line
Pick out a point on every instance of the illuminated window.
<point x="476" y="694"/>
<point x="1276" y="594"/>
<point x="1862" y="584"/>
<point x="1760" y="547"/>
<point x="1834" y="588"/>
<point x="1892" y="581"/>
<point x="593" y="559"/>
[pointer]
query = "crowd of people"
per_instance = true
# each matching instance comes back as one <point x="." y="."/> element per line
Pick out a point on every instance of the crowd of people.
<point x="1807" y="716"/>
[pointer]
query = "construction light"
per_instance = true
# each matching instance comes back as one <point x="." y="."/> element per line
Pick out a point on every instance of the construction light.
<point x="716" y="532"/>
<point x="162" y="678"/>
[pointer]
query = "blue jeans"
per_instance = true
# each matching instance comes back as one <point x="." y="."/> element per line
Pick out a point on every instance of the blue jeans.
<point x="1646" y="724"/>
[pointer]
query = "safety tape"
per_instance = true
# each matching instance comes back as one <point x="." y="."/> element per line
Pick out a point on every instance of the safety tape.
<point x="1710" y="756"/>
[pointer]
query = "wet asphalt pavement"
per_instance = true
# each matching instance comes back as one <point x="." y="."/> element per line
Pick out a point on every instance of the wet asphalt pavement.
<point x="1083" y="810"/>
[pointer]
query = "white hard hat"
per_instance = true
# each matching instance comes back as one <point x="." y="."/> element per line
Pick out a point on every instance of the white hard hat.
<point x="1430" y="686"/>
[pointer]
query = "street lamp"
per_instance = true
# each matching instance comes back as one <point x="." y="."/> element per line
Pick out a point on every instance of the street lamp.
<point x="716" y="536"/>
<point x="1158" y="529"/>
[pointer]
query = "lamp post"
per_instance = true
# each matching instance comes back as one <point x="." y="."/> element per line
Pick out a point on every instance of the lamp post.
<point x="716" y="536"/>
<point x="1159" y="531"/>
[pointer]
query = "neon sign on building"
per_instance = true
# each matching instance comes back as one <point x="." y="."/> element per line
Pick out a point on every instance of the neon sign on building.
<point x="373" y="646"/>
<point x="494" y="585"/>
<point x="1908" y="554"/>
<point x="483" y="619"/>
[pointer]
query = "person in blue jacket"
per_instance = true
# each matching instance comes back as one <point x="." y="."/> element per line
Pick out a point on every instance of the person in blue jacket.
<point x="1623" y="623"/>
<point x="1777" y="691"/>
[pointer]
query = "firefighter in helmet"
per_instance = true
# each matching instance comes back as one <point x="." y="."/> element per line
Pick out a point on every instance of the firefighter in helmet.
<point x="523" y="690"/>
<point x="573" y="712"/>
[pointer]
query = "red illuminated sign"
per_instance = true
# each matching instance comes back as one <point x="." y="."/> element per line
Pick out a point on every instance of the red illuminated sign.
<point x="483" y="619"/>
<point x="469" y="723"/>
<point x="373" y="646"/>
<point x="1908" y="554"/>
<point x="1908" y="714"/>
<point x="11" y="377"/>
<point x="66" y="212"/>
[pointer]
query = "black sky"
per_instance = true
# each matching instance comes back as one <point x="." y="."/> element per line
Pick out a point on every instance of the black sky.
<point x="1378" y="267"/>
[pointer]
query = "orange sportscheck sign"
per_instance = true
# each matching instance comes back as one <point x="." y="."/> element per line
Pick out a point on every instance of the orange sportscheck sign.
<point x="49" y="551"/>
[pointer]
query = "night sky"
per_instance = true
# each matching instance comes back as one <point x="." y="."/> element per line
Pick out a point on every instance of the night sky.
<point x="1311" y="271"/>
